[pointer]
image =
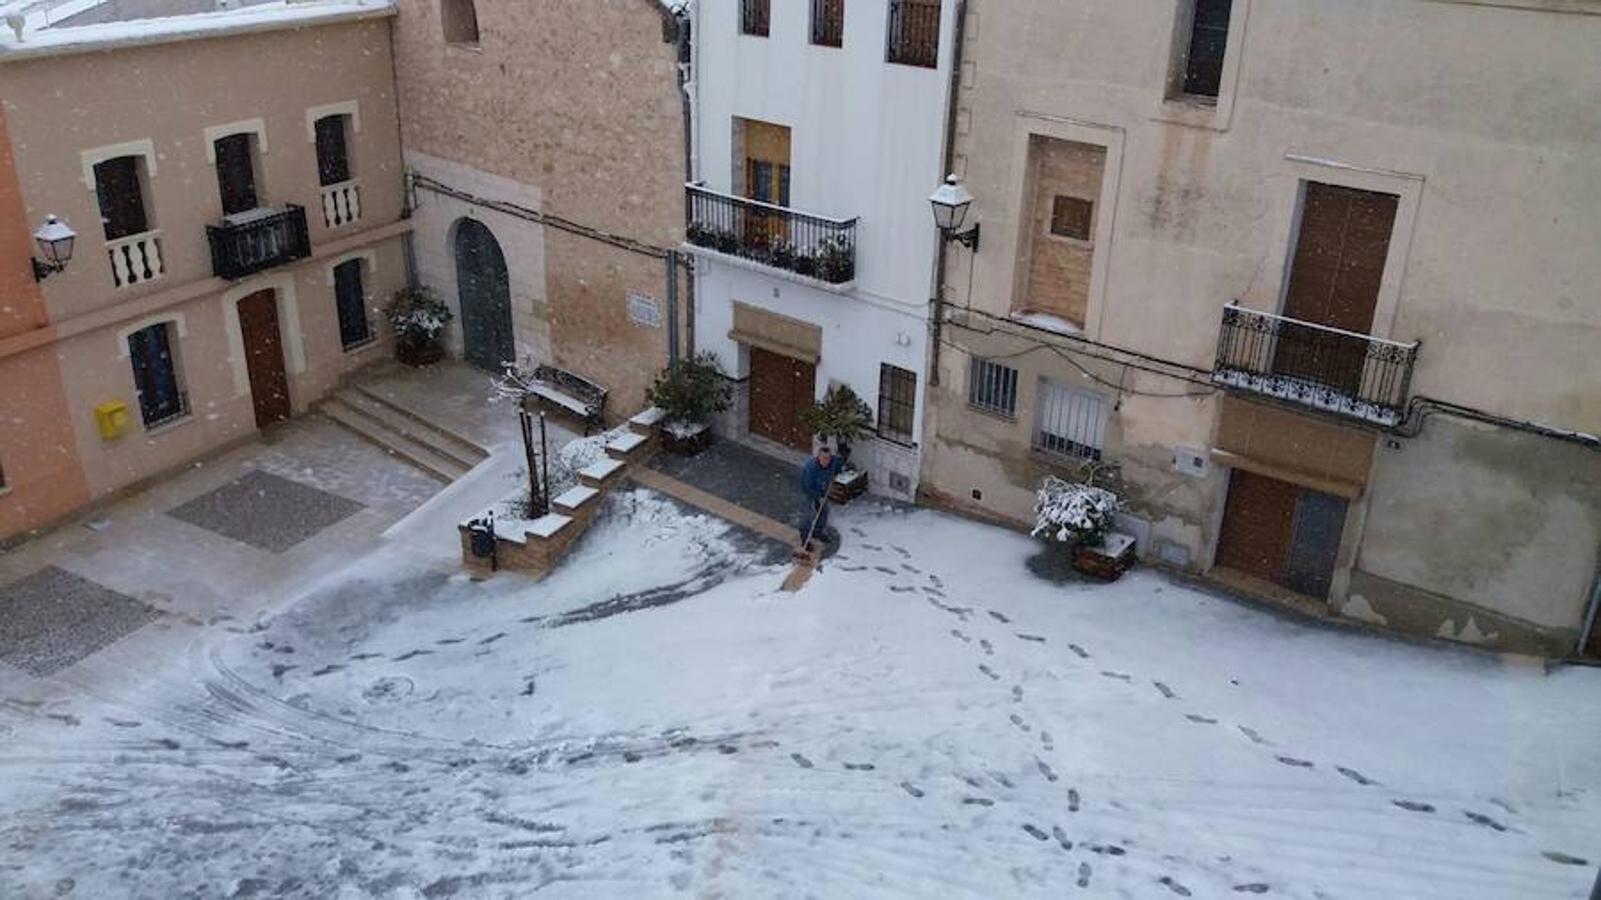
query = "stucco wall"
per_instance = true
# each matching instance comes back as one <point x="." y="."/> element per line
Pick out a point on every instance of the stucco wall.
<point x="581" y="111"/>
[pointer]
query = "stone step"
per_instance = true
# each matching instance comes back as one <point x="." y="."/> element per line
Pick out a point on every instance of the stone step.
<point x="440" y="466"/>
<point x="575" y="500"/>
<point x="403" y="419"/>
<point x="601" y="474"/>
<point x="648" y="422"/>
<point x="628" y="447"/>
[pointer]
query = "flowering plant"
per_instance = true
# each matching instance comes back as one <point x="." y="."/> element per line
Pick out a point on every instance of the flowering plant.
<point x="1066" y="511"/>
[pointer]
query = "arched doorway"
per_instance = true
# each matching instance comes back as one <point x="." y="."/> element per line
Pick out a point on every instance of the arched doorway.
<point x="485" y="297"/>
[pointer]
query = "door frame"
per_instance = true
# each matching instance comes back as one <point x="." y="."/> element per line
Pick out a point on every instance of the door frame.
<point x="283" y="287"/>
<point x="454" y="237"/>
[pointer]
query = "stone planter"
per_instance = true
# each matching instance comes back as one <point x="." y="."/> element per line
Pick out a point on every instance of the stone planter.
<point x="686" y="441"/>
<point x="847" y="486"/>
<point x="421" y="354"/>
<point x="1107" y="562"/>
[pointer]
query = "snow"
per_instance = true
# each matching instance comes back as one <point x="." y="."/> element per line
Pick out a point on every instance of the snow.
<point x="1046" y="321"/>
<point x="1309" y="393"/>
<point x="849" y="477"/>
<point x="650" y="417"/>
<point x="601" y="469"/>
<point x="260" y="17"/>
<point x="626" y="442"/>
<point x="926" y="718"/>
<point x="684" y="430"/>
<point x="575" y="497"/>
<point x="550" y="525"/>
<point x="1065" y="510"/>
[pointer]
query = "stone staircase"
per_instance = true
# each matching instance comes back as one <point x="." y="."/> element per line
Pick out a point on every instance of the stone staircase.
<point x="402" y="433"/>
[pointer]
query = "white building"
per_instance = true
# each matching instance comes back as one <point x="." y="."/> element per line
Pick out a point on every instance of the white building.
<point x="819" y="133"/>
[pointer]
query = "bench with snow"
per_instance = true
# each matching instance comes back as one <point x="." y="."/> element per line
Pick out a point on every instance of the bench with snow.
<point x="568" y="392"/>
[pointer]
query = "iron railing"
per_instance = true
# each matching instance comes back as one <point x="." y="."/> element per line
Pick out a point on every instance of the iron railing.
<point x="245" y="244"/>
<point x="914" y="32"/>
<point x="814" y="246"/>
<point x="1327" y="368"/>
<point x="755" y="17"/>
<point x="828" y="23"/>
<point x="158" y="414"/>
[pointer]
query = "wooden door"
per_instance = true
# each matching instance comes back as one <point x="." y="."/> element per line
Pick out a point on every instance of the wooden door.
<point x="264" y="357"/>
<point x="1258" y="519"/>
<point x="1334" y="280"/>
<point x="780" y="387"/>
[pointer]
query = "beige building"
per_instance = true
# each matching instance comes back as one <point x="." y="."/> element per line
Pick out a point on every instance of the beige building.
<point x="233" y="246"/>
<point x="1315" y="283"/>
<point x="546" y="150"/>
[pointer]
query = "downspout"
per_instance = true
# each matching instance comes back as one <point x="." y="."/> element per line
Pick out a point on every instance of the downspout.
<point x="937" y="327"/>
<point x="408" y="246"/>
<point x="686" y="89"/>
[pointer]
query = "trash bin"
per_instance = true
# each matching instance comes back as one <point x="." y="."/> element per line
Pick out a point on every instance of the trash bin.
<point x="483" y="539"/>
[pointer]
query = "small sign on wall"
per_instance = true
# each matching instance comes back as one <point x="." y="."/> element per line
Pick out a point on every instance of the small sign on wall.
<point x="644" y="310"/>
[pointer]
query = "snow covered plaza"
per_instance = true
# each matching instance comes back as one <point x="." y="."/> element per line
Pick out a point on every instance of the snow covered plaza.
<point x="927" y="718"/>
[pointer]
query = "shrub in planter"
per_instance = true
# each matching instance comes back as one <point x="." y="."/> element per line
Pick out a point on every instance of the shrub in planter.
<point x="418" y="317"/>
<point x="1074" y="514"/>
<point x="840" y="418"/>
<point x="690" y="393"/>
<point x="806" y="264"/>
<point x="782" y="255"/>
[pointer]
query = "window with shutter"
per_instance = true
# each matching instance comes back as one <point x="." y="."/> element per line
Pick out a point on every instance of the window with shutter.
<point x="121" y="197"/>
<point x="333" y="157"/>
<point x="351" y="303"/>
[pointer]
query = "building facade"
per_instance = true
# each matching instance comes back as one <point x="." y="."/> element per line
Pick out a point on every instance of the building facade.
<point x="818" y="138"/>
<point x="233" y="250"/>
<point x="1310" y="285"/>
<point x="547" y="157"/>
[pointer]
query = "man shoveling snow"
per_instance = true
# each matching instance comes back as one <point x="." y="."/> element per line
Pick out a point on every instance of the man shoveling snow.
<point x="816" y="476"/>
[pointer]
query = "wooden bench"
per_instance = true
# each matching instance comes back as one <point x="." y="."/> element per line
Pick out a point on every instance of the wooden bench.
<point x="571" y="393"/>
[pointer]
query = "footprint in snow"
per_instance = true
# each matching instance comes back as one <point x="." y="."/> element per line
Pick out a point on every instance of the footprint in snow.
<point x="886" y="570"/>
<point x="1045" y="739"/>
<point x="278" y="670"/>
<point x="1082" y="653"/>
<point x="1563" y="859"/>
<point x="412" y="654"/>
<point x="1017" y="693"/>
<point x="1002" y="780"/>
<point x="1200" y="720"/>
<point x="912" y="789"/>
<point x="1355" y="776"/>
<point x="1252" y="734"/>
<point x="858" y="532"/>
<point x="959" y="635"/>
<point x="1084" y="873"/>
<point x="167" y="743"/>
<point x="1414" y="806"/>
<point x="445" y="642"/>
<point x="1061" y="837"/>
<point x="1118" y="675"/>
<point x="860" y="767"/>
<point x="936" y="579"/>
<point x="901" y="589"/>
<point x="911" y="568"/>
<point x="988" y="671"/>
<point x="1482" y="819"/>
<point x="845" y="568"/>
<point x="1072" y="799"/>
<point x="230" y="745"/>
<point x="327" y="670"/>
<point x="873" y="547"/>
<point x="1107" y="849"/>
<point x="1036" y="833"/>
<point x="977" y="801"/>
<point x="1504" y="805"/>
<point x="764" y="745"/>
<point x="492" y="638"/>
<point x="1255" y="887"/>
<point x="727" y="749"/>
<point x="933" y="592"/>
<point x="1018" y="721"/>
<point x="124" y="723"/>
<point x="1031" y="637"/>
<point x="972" y="781"/>
<point x="1166" y="691"/>
<point x="1174" y="886"/>
<point x="1046" y="770"/>
<point x="1297" y="763"/>
<point x="905" y="554"/>
<point x="362" y="657"/>
<point x="989" y="649"/>
<point x="999" y="617"/>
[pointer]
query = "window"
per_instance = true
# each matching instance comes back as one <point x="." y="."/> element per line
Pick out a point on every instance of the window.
<point x="460" y="19"/>
<point x="992" y="387"/>
<point x="333" y="156"/>
<point x="1203" y="60"/>
<point x="1071" y="216"/>
<point x="350" y="300"/>
<point x="828" y="23"/>
<point x="897" y="403"/>
<point x="119" y="189"/>
<point x="1071" y="423"/>
<point x="913" y="33"/>
<point x="755" y="17"/>
<point x="236" y="173"/>
<point x="155" y="376"/>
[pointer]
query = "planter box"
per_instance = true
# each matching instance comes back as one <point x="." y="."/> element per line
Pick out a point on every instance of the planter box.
<point x="1107" y="562"/>
<point x="847" y="486"/>
<point x="418" y="355"/>
<point x="685" y="442"/>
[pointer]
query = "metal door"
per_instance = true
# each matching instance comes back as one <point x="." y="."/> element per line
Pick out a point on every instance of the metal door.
<point x="485" y="297"/>
<point x="1315" y="541"/>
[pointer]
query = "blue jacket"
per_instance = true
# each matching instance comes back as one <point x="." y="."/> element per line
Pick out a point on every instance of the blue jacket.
<point x="815" y="479"/>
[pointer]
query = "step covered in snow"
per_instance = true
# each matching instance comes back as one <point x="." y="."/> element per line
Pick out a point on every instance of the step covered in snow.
<point x="648" y="422"/>
<point x="628" y="446"/>
<point x="572" y="501"/>
<point x="602" y="473"/>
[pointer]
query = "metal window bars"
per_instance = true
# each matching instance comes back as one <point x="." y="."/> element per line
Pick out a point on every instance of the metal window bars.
<point x="914" y="33"/>
<point x="1071" y="423"/>
<point x="992" y="387"/>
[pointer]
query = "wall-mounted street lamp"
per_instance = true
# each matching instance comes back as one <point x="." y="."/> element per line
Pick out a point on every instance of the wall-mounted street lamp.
<point x="951" y="201"/>
<point x="55" y="245"/>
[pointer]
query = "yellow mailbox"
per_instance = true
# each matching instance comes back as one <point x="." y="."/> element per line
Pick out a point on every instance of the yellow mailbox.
<point x="112" y="418"/>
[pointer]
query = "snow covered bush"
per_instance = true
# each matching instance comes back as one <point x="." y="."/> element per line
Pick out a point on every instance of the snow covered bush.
<point x="692" y="391"/>
<point x="1070" y="512"/>
<point x="418" y="316"/>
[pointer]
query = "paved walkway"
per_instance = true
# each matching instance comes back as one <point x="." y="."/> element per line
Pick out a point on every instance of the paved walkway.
<point x="745" y="478"/>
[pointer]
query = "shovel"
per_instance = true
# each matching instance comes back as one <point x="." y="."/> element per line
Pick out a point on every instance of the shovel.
<point x="805" y="561"/>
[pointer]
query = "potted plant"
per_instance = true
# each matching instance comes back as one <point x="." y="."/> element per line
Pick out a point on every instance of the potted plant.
<point x="836" y="264"/>
<point x="418" y="318"/>
<point x="690" y="393"/>
<point x="840" y="418"/>
<point x="1079" y="517"/>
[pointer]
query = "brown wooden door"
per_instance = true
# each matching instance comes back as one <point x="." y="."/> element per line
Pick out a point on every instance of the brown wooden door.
<point x="780" y="387"/>
<point x="1334" y="280"/>
<point x="1258" y="520"/>
<point x="264" y="357"/>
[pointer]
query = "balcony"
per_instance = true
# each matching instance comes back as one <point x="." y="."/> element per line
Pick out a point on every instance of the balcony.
<point x="249" y="242"/>
<point x="1341" y="372"/>
<point x="813" y="247"/>
<point x="341" y="204"/>
<point x="135" y="259"/>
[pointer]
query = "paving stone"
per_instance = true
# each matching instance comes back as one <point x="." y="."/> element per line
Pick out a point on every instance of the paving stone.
<point x="53" y="618"/>
<point x="266" y="511"/>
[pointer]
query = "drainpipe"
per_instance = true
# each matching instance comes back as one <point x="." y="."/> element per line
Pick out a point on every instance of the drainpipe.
<point x="937" y="327"/>
<point x="1585" y="634"/>
<point x="672" y="308"/>
<point x="686" y="88"/>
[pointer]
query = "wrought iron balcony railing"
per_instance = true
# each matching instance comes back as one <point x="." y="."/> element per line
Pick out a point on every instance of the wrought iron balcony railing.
<point x="1326" y="368"/>
<point x="813" y="246"/>
<point x="246" y="243"/>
